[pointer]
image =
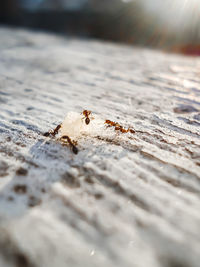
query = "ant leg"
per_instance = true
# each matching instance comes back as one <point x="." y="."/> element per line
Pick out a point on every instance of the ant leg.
<point x="107" y="124"/>
<point x="75" y="143"/>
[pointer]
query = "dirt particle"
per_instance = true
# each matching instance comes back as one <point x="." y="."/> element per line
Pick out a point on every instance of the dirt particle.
<point x="185" y="109"/>
<point x="20" y="189"/>
<point x="20" y="144"/>
<point x="43" y="190"/>
<point x="70" y="180"/>
<point x="21" y="158"/>
<point x="10" y="154"/>
<point x="8" y="139"/>
<point x="172" y="182"/>
<point x="29" y="108"/>
<point x="197" y="117"/>
<point x="98" y="195"/>
<point x="89" y="180"/>
<point x="3" y="168"/>
<point x="34" y="201"/>
<point x="140" y="223"/>
<point x="28" y="90"/>
<point x="22" y="171"/>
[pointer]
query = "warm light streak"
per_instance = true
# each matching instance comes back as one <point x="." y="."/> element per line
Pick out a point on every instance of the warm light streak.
<point x="175" y="14"/>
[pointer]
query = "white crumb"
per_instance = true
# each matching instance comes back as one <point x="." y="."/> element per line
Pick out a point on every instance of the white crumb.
<point x="75" y="127"/>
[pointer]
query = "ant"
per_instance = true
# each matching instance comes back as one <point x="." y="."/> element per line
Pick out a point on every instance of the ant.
<point x="54" y="132"/>
<point x="86" y="114"/>
<point x="71" y="143"/>
<point x="65" y="137"/>
<point x="118" y="127"/>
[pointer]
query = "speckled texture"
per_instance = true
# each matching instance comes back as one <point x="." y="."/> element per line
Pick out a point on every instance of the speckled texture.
<point x="125" y="199"/>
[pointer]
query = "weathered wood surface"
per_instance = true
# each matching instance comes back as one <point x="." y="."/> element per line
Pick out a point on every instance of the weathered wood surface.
<point x="122" y="201"/>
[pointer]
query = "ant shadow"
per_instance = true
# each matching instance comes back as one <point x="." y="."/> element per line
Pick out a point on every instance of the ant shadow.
<point x="45" y="163"/>
<point x="49" y="161"/>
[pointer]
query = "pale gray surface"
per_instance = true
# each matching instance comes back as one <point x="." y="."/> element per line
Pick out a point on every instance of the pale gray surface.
<point x="124" y="201"/>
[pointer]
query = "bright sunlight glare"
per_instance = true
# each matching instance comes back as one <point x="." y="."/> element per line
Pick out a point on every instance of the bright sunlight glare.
<point x="175" y="14"/>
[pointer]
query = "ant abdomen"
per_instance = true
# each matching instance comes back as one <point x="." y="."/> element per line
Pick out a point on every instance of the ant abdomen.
<point x="87" y="121"/>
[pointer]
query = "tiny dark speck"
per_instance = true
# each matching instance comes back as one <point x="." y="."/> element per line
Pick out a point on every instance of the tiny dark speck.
<point x="70" y="180"/>
<point x="34" y="201"/>
<point x="197" y="117"/>
<point x="98" y="195"/>
<point x="89" y="180"/>
<point x="29" y="108"/>
<point x="185" y="109"/>
<point x="21" y="171"/>
<point x="20" y="189"/>
<point x="8" y="139"/>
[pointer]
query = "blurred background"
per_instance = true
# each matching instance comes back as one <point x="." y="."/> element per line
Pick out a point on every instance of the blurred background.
<point x="171" y="25"/>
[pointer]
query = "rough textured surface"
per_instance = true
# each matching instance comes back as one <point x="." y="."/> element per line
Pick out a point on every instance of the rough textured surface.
<point x="124" y="200"/>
